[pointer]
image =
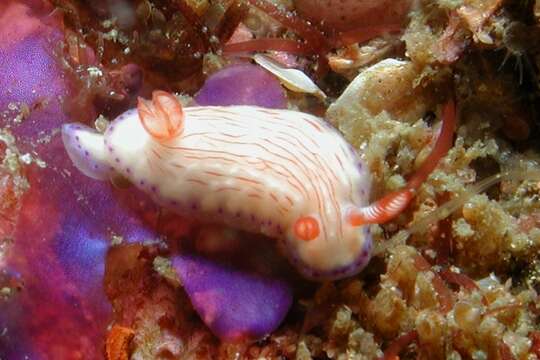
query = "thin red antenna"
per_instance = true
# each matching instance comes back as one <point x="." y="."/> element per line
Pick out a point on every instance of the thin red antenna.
<point x="393" y="204"/>
<point x="266" y="44"/>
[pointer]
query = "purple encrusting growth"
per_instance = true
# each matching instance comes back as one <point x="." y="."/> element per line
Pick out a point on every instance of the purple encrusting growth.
<point x="242" y="84"/>
<point x="235" y="305"/>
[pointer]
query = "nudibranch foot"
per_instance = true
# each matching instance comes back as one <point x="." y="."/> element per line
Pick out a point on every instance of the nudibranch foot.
<point x="86" y="149"/>
<point x="351" y="268"/>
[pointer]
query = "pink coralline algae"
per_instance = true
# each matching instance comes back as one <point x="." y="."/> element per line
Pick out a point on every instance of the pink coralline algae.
<point x="67" y="221"/>
<point x="60" y="238"/>
<point x="68" y="301"/>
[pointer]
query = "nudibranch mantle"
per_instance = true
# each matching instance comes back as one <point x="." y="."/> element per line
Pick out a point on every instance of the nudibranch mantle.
<point x="257" y="169"/>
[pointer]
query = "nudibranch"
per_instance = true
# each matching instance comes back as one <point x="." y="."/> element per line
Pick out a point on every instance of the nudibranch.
<point x="285" y="174"/>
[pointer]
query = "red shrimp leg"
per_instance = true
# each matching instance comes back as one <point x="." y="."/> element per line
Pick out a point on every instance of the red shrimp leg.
<point x="316" y="42"/>
<point x="266" y="44"/>
<point x="364" y="34"/>
<point x="314" y="38"/>
<point x="399" y="344"/>
<point x="163" y="117"/>
<point x="393" y="204"/>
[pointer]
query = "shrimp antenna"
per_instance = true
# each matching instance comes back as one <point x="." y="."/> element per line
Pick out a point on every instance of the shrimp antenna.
<point x="393" y="204"/>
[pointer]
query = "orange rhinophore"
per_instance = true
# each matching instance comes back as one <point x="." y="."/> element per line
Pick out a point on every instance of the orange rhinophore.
<point x="163" y="118"/>
<point x="117" y="344"/>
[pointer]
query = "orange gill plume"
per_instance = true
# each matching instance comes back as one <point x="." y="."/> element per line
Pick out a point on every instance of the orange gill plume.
<point x="307" y="228"/>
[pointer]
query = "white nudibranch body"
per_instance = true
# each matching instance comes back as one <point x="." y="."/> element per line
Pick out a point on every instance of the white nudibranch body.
<point x="285" y="174"/>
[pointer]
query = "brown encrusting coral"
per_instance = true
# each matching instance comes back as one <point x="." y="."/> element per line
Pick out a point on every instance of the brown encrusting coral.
<point x="456" y="281"/>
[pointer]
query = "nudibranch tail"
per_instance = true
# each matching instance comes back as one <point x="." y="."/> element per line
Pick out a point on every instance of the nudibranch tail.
<point x="163" y="117"/>
<point x="393" y="204"/>
<point x="86" y="149"/>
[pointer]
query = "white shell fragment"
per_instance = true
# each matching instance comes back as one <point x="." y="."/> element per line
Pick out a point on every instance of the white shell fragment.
<point x="387" y="86"/>
<point x="293" y="79"/>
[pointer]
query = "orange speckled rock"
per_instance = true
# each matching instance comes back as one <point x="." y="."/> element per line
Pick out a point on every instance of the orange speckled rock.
<point x="117" y="345"/>
<point x="9" y="205"/>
